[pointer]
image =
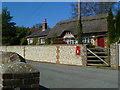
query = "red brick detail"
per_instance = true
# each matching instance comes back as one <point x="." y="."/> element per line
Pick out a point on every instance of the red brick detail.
<point x="58" y="56"/>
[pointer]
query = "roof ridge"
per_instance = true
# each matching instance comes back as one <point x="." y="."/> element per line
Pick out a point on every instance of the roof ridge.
<point x="85" y="18"/>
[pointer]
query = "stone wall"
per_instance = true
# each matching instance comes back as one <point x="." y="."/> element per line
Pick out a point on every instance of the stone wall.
<point x="68" y="55"/>
<point x="60" y="54"/>
<point x="17" y="49"/>
<point x="114" y="55"/>
<point x="41" y="53"/>
<point x="16" y="74"/>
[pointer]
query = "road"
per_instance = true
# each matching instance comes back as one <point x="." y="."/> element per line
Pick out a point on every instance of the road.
<point x="61" y="76"/>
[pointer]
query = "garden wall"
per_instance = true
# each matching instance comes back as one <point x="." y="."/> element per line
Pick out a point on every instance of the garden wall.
<point x="60" y="54"/>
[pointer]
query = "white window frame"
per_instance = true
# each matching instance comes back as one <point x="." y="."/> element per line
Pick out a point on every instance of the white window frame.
<point x="42" y="41"/>
<point x="31" y="41"/>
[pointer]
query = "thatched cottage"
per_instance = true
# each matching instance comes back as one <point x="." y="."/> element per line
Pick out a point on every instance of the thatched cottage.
<point x="94" y="30"/>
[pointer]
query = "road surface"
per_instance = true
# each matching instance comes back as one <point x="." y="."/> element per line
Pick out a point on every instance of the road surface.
<point x="61" y="76"/>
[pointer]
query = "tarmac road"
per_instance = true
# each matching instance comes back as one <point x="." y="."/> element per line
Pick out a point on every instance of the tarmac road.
<point x="61" y="76"/>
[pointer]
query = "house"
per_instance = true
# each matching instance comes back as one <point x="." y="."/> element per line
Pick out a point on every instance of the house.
<point x="94" y="30"/>
<point x="39" y="36"/>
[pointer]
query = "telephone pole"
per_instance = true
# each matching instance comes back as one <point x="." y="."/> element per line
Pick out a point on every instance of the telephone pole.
<point x="79" y="7"/>
<point x="79" y="26"/>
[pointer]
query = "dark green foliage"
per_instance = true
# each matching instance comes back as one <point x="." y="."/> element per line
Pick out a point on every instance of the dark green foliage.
<point x="12" y="35"/>
<point x="8" y="28"/>
<point x="79" y="31"/>
<point x="47" y="41"/>
<point x="118" y="24"/>
<point x="35" y="40"/>
<point x="22" y="32"/>
<point x="59" y="41"/>
<point x="23" y="41"/>
<point x="54" y="37"/>
<point x="111" y="28"/>
<point x="90" y="45"/>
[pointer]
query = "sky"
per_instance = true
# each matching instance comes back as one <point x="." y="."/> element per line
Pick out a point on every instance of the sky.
<point x="30" y="13"/>
<point x="59" y="0"/>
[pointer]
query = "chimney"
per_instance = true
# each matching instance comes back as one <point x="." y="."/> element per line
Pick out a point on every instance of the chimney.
<point x="44" y="25"/>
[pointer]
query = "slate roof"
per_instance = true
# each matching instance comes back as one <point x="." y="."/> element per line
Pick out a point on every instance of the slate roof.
<point x="91" y="24"/>
<point x="39" y="33"/>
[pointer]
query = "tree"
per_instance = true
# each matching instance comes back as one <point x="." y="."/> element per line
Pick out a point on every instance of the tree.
<point x="8" y="28"/>
<point x="111" y="28"/>
<point x="79" y="31"/>
<point x="12" y="35"/>
<point x="118" y="24"/>
<point x="92" y="8"/>
<point x="117" y="27"/>
<point x="21" y="33"/>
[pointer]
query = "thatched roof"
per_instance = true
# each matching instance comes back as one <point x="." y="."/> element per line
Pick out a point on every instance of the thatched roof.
<point x="91" y="24"/>
<point x="39" y="33"/>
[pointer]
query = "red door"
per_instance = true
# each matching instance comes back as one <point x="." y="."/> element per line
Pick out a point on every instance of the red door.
<point x="101" y="42"/>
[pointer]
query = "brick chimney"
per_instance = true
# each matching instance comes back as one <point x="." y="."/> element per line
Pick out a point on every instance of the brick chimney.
<point x="44" y="25"/>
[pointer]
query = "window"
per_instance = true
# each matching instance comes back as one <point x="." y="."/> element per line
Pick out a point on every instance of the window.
<point x="31" y="41"/>
<point x="86" y="40"/>
<point x="42" y="41"/>
<point x="68" y="33"/>
<point x="69" y="41"/>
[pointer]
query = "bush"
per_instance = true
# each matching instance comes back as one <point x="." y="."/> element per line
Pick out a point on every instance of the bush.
<point x="23" y="41"/>
<point x="59" y="41"/>
<point x="90" y="45"/>
<point x="47" y="41"/>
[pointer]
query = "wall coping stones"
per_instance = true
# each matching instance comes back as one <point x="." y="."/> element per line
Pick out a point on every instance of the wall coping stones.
<point x="17" y="67"/>
<point x="7" y="57"/>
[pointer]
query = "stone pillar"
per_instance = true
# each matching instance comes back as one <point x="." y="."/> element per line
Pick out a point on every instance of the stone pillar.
<point x="114" y="55"/>
<point x="84" y="54"/>
<point x="18" y="76"/>
<point x="57" y="54"/>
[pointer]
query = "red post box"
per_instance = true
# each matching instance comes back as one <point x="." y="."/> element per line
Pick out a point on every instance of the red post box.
<point x="77" y="50"/>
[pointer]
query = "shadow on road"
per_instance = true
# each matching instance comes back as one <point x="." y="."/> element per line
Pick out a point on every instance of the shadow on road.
<point x="43" y="88"/>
